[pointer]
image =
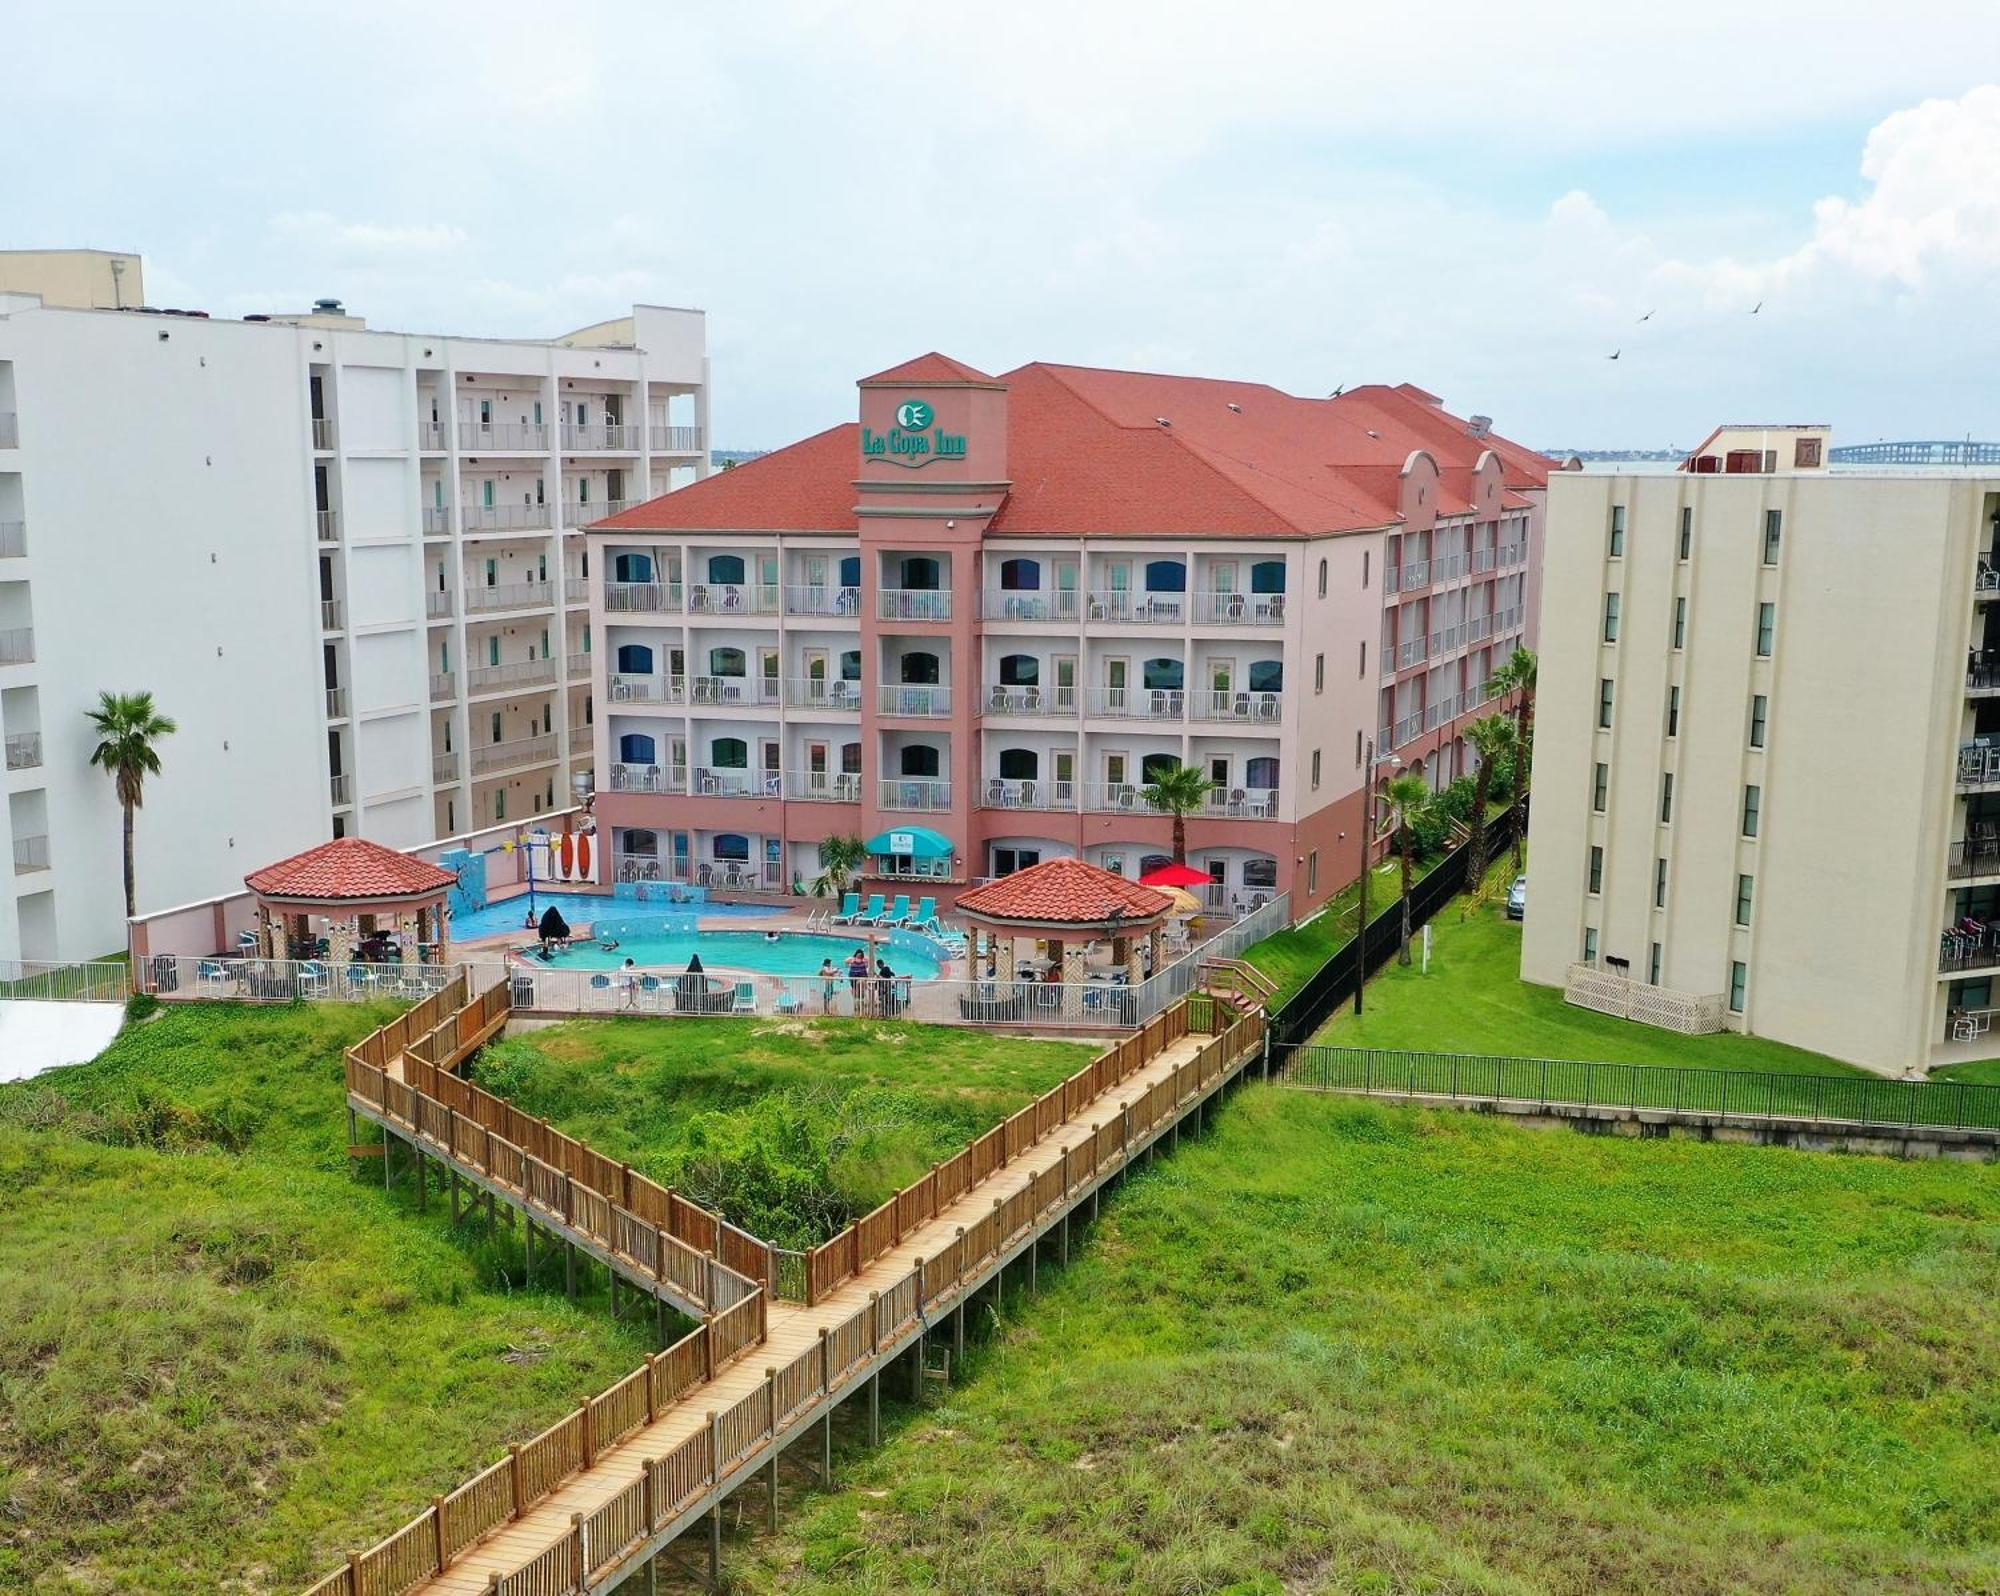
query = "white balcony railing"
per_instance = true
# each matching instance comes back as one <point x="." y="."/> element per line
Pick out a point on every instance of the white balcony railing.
<point x="31" y="853"/>
<point x="328" y="523"/>
<point x="1138" y="703"/>
<point x="519" y="673"/>
<point x="629" y="689"/>
<point x="1002" y="794"/>
<point x="437" y="605"/>
<point x="492" y="439"/>
<point x="1243" y="803"/>
<point x="1408" y="729"/>
<point x="919" y="793"/>
<point x="1161" y="609"/>
<point x="10" y="430"/>
<point x="505" y="517"/>
<point x="329" y="615"/>
<point x="17" y="645"/>
<point x="341" y="789"/>
<point x="600" y="435"/>
<point x="823" y="786"/>
<point x="24" y="750"/>
<point x="322" y="430"/>
<point x="734" y="690"/>
<point x="577" y="664"/>
<point x="513" y="755"/>
<point x="1511" y="554"/>
<point x="1415" y="574"/>
<point x="713" y="783"/>
<point x="642" y="598"/>
<point x="13" y="540"/>
<point x="1240" y="609"/>
<point x="822" y="599"/>
<point x="430" y="435"/>
<point x="908" y="698"/>
<point x="913" y="604"/>
<point x="812" y="692"/>
<point x="580" y="739"/>
<point x="731" y="598"/>
<point x="1978" y="764"/>
<point x="1237" y="706"/>
<point x="336" y="703"/>
<point x="510" y="596"/>
<point x="1447" y="568"/>
<point x="1003" y="700"/>
<point x="444" y="767"/>
<point x="1482" y="560"/>
<point x="1013" y="604"/>
<point x="443" y="685"/>
<point x="668" y="779"/>
<point x="575" y="512"/>
<point x="675" y="440"/>
<point x="1116" y="797"/>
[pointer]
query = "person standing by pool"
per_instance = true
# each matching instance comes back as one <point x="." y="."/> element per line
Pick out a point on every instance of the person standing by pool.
<point x="631" y="977"/>
<point x="829" y="983"/>
<point x="885" y="989"/>
<point x="857" y="976"/>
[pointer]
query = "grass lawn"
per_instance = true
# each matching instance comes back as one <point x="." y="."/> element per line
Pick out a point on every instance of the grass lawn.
<point x="791" y="1129"/>
<point x="1344" y="1346"/>
<point x="1980" y="1072"/>
<point x="224" y="1358"/>
<point x="1292" y="956"/>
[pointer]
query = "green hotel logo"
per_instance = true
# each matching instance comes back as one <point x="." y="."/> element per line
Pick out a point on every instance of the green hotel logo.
<point x="915" y="440"/>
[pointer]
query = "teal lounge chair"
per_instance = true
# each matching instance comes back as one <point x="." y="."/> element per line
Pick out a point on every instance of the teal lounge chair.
<point x="900" y="914"/>
<point x="850" y="907"/>
<point x="872" y="915"/>
<point x="746" y="997"/>
<point x="925" y="919"/>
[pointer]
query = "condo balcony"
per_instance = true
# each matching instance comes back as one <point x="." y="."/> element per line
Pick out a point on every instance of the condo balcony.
<point x="608" y="436"/>
<point x="578" y="513"/>
<point x="1002" y="794"/>
<point x="1976" y="856"/>
<point x="437" y="605"/>
<point x="580" y="739"/>
<point x="671" y="780"/>
<point x="1254" y="707"/>
<point x="502" y="437"/>
<point x="510" y="596"/>
<point x="444" y="768"/>
<point x="1401" y="656"/>
<point x="522" y="751"/>
<point x="521" y="673"/>
<point x="1013" y="604"/>
<point x="13" y="540"/>
<point x="923" y="794"/>
<point x="836" y="695"/>
<point x="1978" y="761"/>
<point x="336" y="703"/>
<point x="823" y="599"/>
<point x="341" y="790"/>
<point x="1240" y="609"/>
<point x="31" y="853"/>
<point x="823" y="786"/>
<point x="328" y="523"/>
<point x="734" y="691"/>
<point x="444" y="685"/>
<point x="640" y="688"/>
<point x="1970" y="945"/>
<point x="505" y="517"/>
<point x="731" y="598"/>
<point x="674" y="440"/>
<point x="17" y="645"/>
<point x="1137" y="703"/>
<point x="24" y="751"/>
<point x="1004" y="700"/>
<point x="914" y="699"/>
<point x="1242" y="803"/>
<point x="431" y="436"/>
<point x="711" y="782"/>
<point x="642" y="598"/>
<point x="1116" y="797"/>
<point x="913" y="604"/>
<point x="329" y="615"/>
<point x="1120" y="604"/>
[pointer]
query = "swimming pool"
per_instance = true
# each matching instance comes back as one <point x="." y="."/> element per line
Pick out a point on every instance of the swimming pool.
<point x="581" y="908"/>
<point x="794" y="953"/>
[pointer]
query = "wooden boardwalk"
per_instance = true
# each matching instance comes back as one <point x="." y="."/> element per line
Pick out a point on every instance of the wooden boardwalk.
<point x="590" y="1501"/>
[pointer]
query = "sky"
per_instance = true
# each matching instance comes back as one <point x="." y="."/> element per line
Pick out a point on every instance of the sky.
<point x="1487" y="201"/>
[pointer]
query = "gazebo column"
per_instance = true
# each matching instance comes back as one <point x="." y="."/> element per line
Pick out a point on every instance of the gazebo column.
<point x="1135" y="969"/>
<point x="340" y="940"/>
<point x="1074" y="965"/>
<point x="1155" y="945"/>
<point x="406" y="937"/>
<point x="270" y="933"/>
<point x="1006" y="955"/>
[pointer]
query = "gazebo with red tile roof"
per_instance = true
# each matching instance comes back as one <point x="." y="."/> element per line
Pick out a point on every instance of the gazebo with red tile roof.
<point x="1067" y="903"/>
<point x="359" y="891"/>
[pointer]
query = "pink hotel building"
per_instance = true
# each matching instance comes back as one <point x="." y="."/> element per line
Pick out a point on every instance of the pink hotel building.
<point x="970" y="627"/>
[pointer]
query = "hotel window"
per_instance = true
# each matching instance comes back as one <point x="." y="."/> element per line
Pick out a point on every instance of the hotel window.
<point x="1666" y="797"/>
<point x="1315" y="769"/>
<point x="1760" y="709"/>
<point x="1744" y="889"/>
<point x="1687" y="531"/>
<point x="1774" y="521"/>
<point x="1604" y="704"/>
<point x="1617" y="530"/>
<point x="1767" y="626"/>
<point x="1322" y="575"/>
<point x="1319" y="673"/>
<point x="1680" y="622"/>
<point x="1673" y="712"/>
<point x="1753" y="804"/>
<point x="1611" y="617"/>
<point x="1590" y="944"/>
<point x="1739" y="982"/>
<point x="1312" y="871"/>
<point x="500" y="804"/>
<point x="1596" y="869"/>
<point x="1363" y="672"/>
<point x="1659" y="883"/>
<point x="1357" y="750"/>
<point x="1653" y="966"/>
<point x="1600" y="785"/>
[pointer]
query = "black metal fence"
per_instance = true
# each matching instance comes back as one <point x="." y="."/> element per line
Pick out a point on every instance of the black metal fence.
<point x="1332" y="984"/>
<point x="1846" y="1100"/>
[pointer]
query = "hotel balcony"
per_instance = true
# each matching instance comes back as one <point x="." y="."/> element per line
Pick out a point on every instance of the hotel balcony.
<point x="731" y="598"/>
<point x="837" y="696"/>
<point x="514" y="755"/>
<point x="1240" y="609"/>
<point x="431" y="436"/>
<point x="1116" y="797"/>
<point x="1447" y="709"/>
<point x="444" y="768"/>
<point x="502" y="437"/>
<point x="1482" y="561"/>
<point x="1449" y="639"/>
<point x="921" y="794"/>
<point x="31" y="854"/>
<point x="10" y="430"/>
<point x="522" y="673"/>
<point x="674" y="440"/>
<point x="913" y="699"/>
<point x="1138" y="703"/>
<point x="1010" y="604"/>
<point x="577" y="665"/>
<point x="1233" y="706"/>
<point x="1160" y="609"/>
<point x="1978" y="762"/>
<point x="1969" y="945"/>
<point x="1983" y="679"/>
<point x="575" y="513"/>
<point x="1001" y="794"/>
<point x="505" y="517"/>
<point x="1401" y="656"/>
<point x="1242" y="803"/>
<point x="734" y="691"/>
<point x="913" y="604"/>
<point x="322" y="430"/>
<point x="667" y="779"/>
<point x="1002" y="700"/>
<point x="336" y="703"/>
<point x="341" y="790"/>
<point x="1978" y="856"/>
<point x="13" y="540"/>
<point x="24" y="751"/>
<point x="648" y="689"/>
<point x="444" y="685"/>
<point x="510" y="596"/>
<point x="823" y="786"/>
<point x="601" y="435"/>
<point x="713" y="783"/>
<point x="437" y="605"/>
<point x="329" y="615"/>
<point x="1407" y="730"/>
<point x="328" y="523"/>
<point x="436" y="520"/>
<point x="823" y="600"/>
<point x="1509" y="555"/>
<point x="17" y="645"/>
<point x="642" y="598"/>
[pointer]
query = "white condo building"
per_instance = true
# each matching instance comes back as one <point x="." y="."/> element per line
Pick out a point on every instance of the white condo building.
<point x="347" y="562"/>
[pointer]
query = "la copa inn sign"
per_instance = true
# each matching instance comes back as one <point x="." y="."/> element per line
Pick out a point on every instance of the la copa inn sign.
<point x="914" y="441"/>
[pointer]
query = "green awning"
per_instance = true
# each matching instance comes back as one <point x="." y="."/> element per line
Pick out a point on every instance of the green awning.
<point x="918" y="842"/>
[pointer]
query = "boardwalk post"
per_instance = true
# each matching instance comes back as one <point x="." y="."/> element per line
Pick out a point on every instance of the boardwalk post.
<point x="454" y="1195"/>
<point x="423" y="1184"/>
<point x="437" y="1529"/>
<point x="528" y="1241"/>
<point x="589" y="1433"/>
<point x="771" y="1478"/>
<point x="715" y="1547"/>
<point x="826" y="1423"/>
<point x="660" y="1321"/>
<point x="514" y="1479"/>
<point x="576" y="1558"/>
<point x="874" y="1321"/>
<point x="875" y="1408"/>
<point x="1034" y="1259"/>
<point x="569" y="1266"/>
<point x="388" y="1147"/>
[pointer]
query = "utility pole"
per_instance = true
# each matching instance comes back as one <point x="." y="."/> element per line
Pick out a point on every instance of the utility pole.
<point x="1367" y="828"/>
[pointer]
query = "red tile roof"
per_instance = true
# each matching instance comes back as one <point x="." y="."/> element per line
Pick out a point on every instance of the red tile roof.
<point x="349" y="867"/>
<point x="1065" y="892"/>
<point x="932" y="367"/>
<point x="1135" y="453"/>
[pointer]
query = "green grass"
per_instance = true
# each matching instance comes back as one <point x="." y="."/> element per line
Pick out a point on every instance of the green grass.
<point x="1292" y="956"/>
<point x="1345" y="1347"/>
<point x="225" y="1358"/>
<point x="791" y="1129"/>
<point x="1978" y="1072"/>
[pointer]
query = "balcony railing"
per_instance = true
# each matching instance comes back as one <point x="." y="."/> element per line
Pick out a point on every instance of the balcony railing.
<point x="1014" y="604"/>
<point x="1408" y="729"/>
<point x="1970" y="945"/>
<point x="1138" y="703"/>
<point x="908" y="698"/>
<point x="1254" y="707"/>
<point x="1117" y="797"/>
<point x="17" y="645"/>
<point x="13" y="540"/>
<point x="1403" y="655"/>
<point x="1240" y="609"/>
<point x="1511" y="554"/>
<point x="505" y="517"/>
<point x="322" y="432"/>
<point x="921" y="793"/>
<point x="580" y="739"/>
<point x="520" y="673"/>
<point x="731" y="598"/>
<point x="837" y="695"/>
<point x="642" y="598"/>
<point x="31" y="854"/>
<point x="1414" y="574"/>
<point x="511" y="596"/>
<point x="476" y="439"/>
<point x="1482" y="561"/>
<point x="823" y="786"/>
<point x="1983" y="677"/>
<point x="577" y="664"/>
<point x="1243" y="803"/>
<point x="733" y="690"/>
<point x="430" y="435"/>
<point x="1001" y="794"/>
<point x="436" y="520"/>
<point x="444" y="767"/>
<point x="443" y="685"/>
<point x="577" y="513"/>
<point x="512" y="755"/>
<point x="437" y="605"/>
<point x="341" y="789"/>
<point x="913" y="604"/>
<point x="1978" y="763"/>
<point x="328" y="523"/>
<point x="1447" y="568"/>
<point x="675" y="440"/>
<point x="24" y="751"/>
<point x="1447" y="639"/>
<point x="634" y="689"/>
<point x="1479" y="628"/>
<point x="336" y="703"/>
<point x="713" y="783"/>
<point x="669" y="779"/>
<point x="600" y="435"/>
<point x="10" y="430"/>
<point x="1003" y="700"/>
<point x="1447" y="709"/>
<point x="329" y="615"/>
<point x="822" y="599"/>
<point x="1977" y="856"/>
<point x="1165" y="609"/>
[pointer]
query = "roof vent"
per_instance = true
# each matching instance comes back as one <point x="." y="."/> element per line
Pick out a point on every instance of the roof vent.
<point x="327" y="307"/>
<point x="1233" y="405"/>
<point x="1479" y="426"/>
<point x="1373" y="433"/>
<point x="1163" y="421"/>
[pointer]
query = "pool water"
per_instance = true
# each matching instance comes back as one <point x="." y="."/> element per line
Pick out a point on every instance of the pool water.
<point x="794" y="953"/>
<point x="581" y="908"/>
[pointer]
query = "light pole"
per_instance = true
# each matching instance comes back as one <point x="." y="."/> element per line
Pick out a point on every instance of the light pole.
<point x="1367" y="867"/>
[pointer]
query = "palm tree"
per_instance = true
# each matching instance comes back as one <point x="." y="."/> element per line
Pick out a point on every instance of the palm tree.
<point x="1179" y="791"/>
<point x="840" y="860"/>
<point x="1409" y="799"/>
<point x="1493" y="736"/>
<point x="128" y="730"/>
<point x="1517" y="676"/>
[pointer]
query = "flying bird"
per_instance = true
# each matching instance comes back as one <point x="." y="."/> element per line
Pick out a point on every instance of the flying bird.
<point x="1756" y="307"/>
<point x="1647" y="317"/>
<point x="1338" y="391"/>
<point x="1614" y="354"/>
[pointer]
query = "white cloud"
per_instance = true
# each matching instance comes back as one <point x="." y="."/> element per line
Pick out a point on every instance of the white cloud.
<point x="363" y="243"/>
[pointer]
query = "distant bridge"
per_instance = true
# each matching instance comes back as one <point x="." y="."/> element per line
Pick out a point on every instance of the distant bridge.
<point x="1918" y="451"/>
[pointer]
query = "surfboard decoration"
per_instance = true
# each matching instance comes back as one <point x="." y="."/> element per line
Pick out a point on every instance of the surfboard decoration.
<point x="583" y="857"/>
<point x="565" y="856"/>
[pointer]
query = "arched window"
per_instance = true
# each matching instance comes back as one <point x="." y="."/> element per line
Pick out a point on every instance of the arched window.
<point x="1267" y="676"/>
<point x="850" y="570"/>
<point x="850" y="759"/>
<point x="731" y="847"/>
<point x="725" y="568"/>
<point x="1261" y="773"/>
<point x="1021" y="576"/>
<point x="850" y="665"/>
<point x="635" y="659"/>
<point x="725" y="662"/>
<point x="919" y="759"/>
<point x="1154" y="766"/>
<point x="634" y="748"/>
<point x="643" y="843"/>
<point x="1020" y="670"/>
<point x="919" y="670"/>
<point x="1019" y="764"/>
<point x="920" y="572"/>
<point x="1267" y="576"/>
<point x="1260" y="873"/>
<point x="632" y="568"/>
<point x="729" y="753"/>
<point x="1166" y="576"/>
<point x="1162" y="673"/>
<point x="1150" y="862"/>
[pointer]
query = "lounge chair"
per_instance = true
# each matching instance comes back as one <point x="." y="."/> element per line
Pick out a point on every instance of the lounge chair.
<point x="925" y="919"/>
<point x="600" y="983"/>
<point x="649" y="989"/>
<point x="746" y="997"/>
<point x="787" y="1002"/>
<point x="900" y="913"/>
<point x="872" y="915"/>
<point x="850" y="906"/>
<point x="212" y="975"/>
<point x="313" y="979"/>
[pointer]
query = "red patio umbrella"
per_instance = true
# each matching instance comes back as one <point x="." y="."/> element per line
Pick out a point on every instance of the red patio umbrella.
<point x="1174" y="875"/>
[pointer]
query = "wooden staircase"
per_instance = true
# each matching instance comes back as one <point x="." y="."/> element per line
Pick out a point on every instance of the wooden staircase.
<point x="1241" y="985"/>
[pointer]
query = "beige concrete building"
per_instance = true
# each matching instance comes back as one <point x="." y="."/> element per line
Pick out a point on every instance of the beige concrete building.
<point x="75" y="279"/>
<point x="1768" y="752"/>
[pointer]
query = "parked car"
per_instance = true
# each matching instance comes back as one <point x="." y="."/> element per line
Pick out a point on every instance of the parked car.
<point x="1517" y="899"/>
